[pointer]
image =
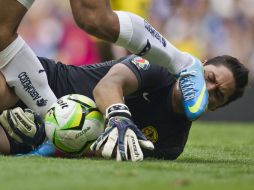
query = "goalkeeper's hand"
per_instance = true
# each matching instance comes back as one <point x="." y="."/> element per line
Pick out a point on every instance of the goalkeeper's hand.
<point x="123" y="134"/>
<point x="23" y="126"/>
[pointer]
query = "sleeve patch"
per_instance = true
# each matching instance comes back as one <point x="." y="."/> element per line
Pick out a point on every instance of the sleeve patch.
<point x="141" y="63"/>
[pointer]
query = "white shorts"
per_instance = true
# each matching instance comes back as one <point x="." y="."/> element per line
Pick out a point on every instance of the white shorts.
<point x="26" y="3"/>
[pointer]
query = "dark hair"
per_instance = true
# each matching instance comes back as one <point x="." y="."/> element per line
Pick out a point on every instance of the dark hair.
<point x="240" y="73"/>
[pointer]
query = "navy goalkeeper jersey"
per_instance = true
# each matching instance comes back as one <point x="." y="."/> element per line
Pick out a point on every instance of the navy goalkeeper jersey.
<point x="150" y="105"/>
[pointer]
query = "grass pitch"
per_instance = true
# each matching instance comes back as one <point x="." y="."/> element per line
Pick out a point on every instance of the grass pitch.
<point x="217" y="156"/>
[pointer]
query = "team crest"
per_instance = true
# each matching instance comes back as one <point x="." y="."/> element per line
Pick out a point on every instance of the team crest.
<point x="151" y="133"/>
<point x="141" y="63"/>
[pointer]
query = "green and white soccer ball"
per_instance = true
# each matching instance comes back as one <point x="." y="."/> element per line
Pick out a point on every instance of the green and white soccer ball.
<point x="73" y="122"/>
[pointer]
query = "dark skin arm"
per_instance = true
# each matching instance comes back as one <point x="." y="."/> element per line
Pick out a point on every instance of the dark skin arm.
<point x="119" y="81"/>
<point x="96" y="18"/>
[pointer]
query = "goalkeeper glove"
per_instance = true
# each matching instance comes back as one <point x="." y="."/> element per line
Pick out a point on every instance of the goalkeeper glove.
<point x="23" y="126"/>
<point x="123" y="134"/>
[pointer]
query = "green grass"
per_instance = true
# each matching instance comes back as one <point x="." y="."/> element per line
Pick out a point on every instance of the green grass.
<point x="217" y="156"/>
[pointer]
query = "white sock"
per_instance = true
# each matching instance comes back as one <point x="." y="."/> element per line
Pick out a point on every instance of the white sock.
<point x="26" y="3"/>
<point x="24" y="72"/>
<point x="135" y="32"/>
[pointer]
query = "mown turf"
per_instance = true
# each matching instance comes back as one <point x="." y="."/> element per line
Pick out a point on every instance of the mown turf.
<point x="217" y="156"/>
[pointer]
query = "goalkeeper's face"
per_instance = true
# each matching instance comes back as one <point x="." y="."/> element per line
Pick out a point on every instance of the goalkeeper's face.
<point x="220" y="84"/>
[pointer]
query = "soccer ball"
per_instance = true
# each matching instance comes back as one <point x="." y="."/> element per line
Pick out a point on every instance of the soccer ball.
<point x="73" y="122"/>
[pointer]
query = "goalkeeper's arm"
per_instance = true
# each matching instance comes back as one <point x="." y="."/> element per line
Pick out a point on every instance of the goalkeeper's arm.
<point x="121" y="132"/>
<point x="121" y="81"/>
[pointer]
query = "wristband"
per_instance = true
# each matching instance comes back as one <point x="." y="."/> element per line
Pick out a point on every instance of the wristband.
<point x="119" y="109"/>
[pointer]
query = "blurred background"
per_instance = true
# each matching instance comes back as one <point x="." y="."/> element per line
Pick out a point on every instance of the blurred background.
<point x="204" y="28"/>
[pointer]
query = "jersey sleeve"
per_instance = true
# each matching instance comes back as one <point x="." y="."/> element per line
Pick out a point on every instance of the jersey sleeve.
<point x="149" y="75"/>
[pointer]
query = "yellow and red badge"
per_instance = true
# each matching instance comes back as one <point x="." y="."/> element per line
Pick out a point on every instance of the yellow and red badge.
<point x="141" y="63"/>
<point x="151" y="133"/>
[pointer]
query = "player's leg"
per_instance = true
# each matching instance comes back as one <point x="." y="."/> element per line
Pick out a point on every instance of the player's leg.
<point x="8" y="146"/>
<point x="7" y="96"/>
<point x="18" y="63"/>
<point x="139" y="37"/>
<point x="96" y="18"/>
<point x="127" y="30"/>
<point x="4" y="142"/>
<point x="9" y="22"/>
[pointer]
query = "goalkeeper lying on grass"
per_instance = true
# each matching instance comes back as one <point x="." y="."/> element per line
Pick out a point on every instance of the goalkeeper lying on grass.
<point x="130" y="91"/>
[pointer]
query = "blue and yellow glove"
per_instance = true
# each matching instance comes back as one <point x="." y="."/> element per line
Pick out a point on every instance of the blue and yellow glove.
<point x="122" y="133"/>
